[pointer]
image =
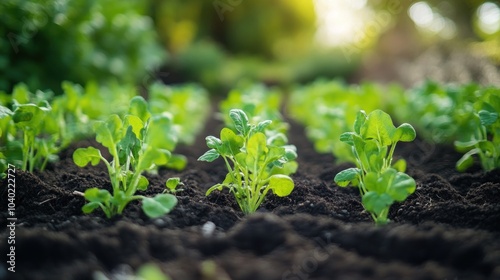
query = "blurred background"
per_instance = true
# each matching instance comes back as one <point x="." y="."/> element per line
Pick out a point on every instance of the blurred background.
<point x="220" y="43"/>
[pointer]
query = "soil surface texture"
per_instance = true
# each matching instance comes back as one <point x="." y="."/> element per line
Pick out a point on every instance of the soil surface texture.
<point x="448" y="229"/>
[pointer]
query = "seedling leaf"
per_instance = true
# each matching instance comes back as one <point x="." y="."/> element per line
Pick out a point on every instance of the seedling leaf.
<point x="488" y="118"/>
<point x="281" y="185"/>
<point x="172" y="183"/>
<point x="209" y="156"/>
<point x="466" y="160"/>
<point x="240" y="120"/>
<point x="378" y="126"/>
<point x="159" y="205"/>
<point x="84" y="156"/>
<point x="344" y="177"/>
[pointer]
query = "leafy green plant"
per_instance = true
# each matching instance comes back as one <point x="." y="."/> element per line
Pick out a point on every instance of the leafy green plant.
<point x="256" y="164"/>
<point x="24" y="141"/>
<point x="440" y="113"/>
<point x="81" y="32"/>
<point x="259" y="103"/>
<point x="28" y="118"/>
<point x="380" y="182"/>
<point x="188" y="104"/>
<point x="326" y="108"/>
<point x="485" y="141"/>
<point x="138" y="142"/>
<point x="36" y="127"/>
<point x="172" y="185"/>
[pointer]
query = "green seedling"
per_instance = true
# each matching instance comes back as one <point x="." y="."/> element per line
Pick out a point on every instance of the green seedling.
<point x="335" y="105"/>
<point x="485" y="142"/>
<point x="172" y="185"/>
<point x="380" y="182"/>
<point x="34" y="129"/>
<point x="137" y="143"/>
<point x="256" y="164"/>
<point x="189" y="105"/>
<point x="36" y="151"/>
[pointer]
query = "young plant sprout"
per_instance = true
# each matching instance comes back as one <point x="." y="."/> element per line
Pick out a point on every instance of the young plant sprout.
<point x="380" y="182"/>
<point x="36" y="150"/>
<point x="172" y="185"/>
<point x="256" y="164"/>
<point x="138" y="142"/>
<point x="485" y="142"/>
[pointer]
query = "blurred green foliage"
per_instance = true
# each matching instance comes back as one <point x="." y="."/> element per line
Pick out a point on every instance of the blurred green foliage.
<point x="256" y="27"/>
<point x="44" y="42"/>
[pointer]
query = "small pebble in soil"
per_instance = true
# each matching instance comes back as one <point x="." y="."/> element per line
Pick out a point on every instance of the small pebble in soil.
<point x="208" y="229"/>
<point x="162" y="222"/>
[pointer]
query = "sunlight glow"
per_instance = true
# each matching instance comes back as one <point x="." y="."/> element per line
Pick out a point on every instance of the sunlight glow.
<point x="431" y="22"/>
<point x="341" y="22"/>
<point x="421" y="13"/>
<point x="489" y="17"/>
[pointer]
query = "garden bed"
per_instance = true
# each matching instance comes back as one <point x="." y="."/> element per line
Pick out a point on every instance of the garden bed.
<point x="448" y="229"/>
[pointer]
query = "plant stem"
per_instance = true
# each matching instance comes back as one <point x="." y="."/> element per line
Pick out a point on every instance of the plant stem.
<point x="25" y="151"/>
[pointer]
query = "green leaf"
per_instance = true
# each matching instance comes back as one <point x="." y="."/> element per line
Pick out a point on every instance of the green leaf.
<point x="5" y="112"/>
<point x="405" y="133"/>
<point x="262" y="126"/>
<point x="218" y="187"/>
<point x="487" y="148"/>
<point x="120" y="198"/>
<point x="209" y="156"/>
<point x="150" y="271"/>
<point x="128" y="146"/>
<point x="400" y="165"/>
<point x="97" y="195"/>
<point x="21" y="93"/>
<point x="287" y="169"/>
<point x="213" y="142"/>
<point x="143" y="183"/>
<point x="172" y="183"/>
<point x="84" y="156"/>
<point x="344" y="177"/>
<point x="161" y="133"/>
<point x="278" y="139"/>
<point x="463" y="146"/>
<point x="376" y="182"/>
<point x="29" y="116"/>
<point x="108" y="132"/>
<point x="376" y="203"/>
<point x="177" y="162"/>
<point x="159" y="205"/>
<point x="402" y="186"/>
<point x="360" y="120"/>
<point x="488" y="118"/>
<point x="240" y="121"/>
<point x="90" y="207"/>
<point x="290" y="152"/>
<point x="378" y="126"/>
<point x="281" y="185"/>
<point x="275" y="153"/>
<point x="348" y="138"/>
<point x="231" y="143"/>
<point x="136" y="123"/>
<point x="152" y="157"/>
<point x="466" y="160"/>
<point x="139" y="107"/>
<point x="257" y="145"/>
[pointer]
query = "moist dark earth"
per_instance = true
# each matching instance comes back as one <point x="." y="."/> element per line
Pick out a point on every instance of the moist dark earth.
<point x="448" y="229"/>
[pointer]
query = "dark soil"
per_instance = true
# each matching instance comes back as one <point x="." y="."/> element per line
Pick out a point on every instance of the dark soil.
<point x="448" y="229"/>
